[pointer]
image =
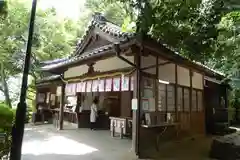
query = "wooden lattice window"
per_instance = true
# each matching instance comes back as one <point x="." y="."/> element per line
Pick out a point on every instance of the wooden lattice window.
<point x="162" y="97"/>
<point x="200" y="100"/>
<point x="180" y="98"/>
<point x="170" y="98"/>
<point x="194" y="100"/>
<point x="186" y="99"/>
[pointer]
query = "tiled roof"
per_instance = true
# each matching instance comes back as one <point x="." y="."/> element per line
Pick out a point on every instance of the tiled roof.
<point x="53" y="61"/>
<point x="49" y="78"/>
<point x="104" y="25"/>
<point x="78" y="57"/>
<point x="99" y="21"/>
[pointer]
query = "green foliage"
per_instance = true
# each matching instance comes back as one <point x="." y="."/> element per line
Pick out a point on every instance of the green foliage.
<point x="54" y="37"/>
<point x="6" y="115"/>
<point x="118" y="12"/>
<point x="6" y="119"/>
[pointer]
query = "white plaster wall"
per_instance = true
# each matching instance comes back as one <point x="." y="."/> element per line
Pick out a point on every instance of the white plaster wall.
<point x="167" y="72"/>
<point x="76" y="71"/>
<point x="102" y="66"/>
<point x="113" y="64"/>
<point x="197" y="80"/>
<point x="147" y="61"/>
<point x="183" y="76"/>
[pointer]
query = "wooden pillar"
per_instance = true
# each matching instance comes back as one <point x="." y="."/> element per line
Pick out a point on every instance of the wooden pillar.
<point x="226" y="96"/>
<point x="137" y="113"/>
<point x="176" y="92"/>
<point x="61" y="111"/>
<point x="190" y="97"/>
<point x="156" y="84"/>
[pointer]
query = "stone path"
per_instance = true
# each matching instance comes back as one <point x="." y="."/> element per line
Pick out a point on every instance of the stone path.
<point x="44" y="142"/>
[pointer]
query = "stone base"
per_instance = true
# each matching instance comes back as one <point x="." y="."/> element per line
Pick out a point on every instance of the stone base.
<point x="226" y="147"/>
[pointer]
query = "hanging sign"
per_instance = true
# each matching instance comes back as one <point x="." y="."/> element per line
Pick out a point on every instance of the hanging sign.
<point x="132" y="83"/>
<point x="95" y="85"/>
<point x="101" y="85"/>
<point x="108" y="86"/>
<point x="84" y="86"/>
<point x="134" y="104"/>
<point x="116" y="84"/>
<point x="79" y="87"/>
<point x="89" y="86"/>
<point x="125" y="84"/>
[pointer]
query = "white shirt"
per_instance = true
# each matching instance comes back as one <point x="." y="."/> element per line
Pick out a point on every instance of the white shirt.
<point x="93" y="114"/>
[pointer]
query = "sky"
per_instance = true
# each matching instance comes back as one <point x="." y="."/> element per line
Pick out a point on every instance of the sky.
<point x="65" y="8"/>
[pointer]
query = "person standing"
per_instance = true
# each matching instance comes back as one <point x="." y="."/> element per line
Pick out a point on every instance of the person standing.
<point x="93" y="114"/>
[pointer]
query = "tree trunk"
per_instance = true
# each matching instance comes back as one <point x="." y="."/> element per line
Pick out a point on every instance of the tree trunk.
<point x="6" y="92"/>
<point x="5" y="88"/>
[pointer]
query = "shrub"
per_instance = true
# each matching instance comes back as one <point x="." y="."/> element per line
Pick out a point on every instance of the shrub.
<point x="7" y="116"/>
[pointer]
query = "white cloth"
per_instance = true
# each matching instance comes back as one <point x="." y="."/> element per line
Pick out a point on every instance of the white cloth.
<point x="93" y="114"/>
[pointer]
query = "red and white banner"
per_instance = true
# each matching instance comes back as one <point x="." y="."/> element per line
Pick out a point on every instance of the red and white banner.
<point x="116" y="84"/>
<point x="132" y="83"/>
<point x="108" y="86"/>
<point x="89" y="86"/>
<point x="79" y="87"/>
<point x="95" y="85"/>
<point x="101" y="85"/>
<point x="84" y="86"/>
<point x="125" y="84"/>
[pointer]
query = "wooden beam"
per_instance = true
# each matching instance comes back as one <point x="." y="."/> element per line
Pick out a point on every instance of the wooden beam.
<point x="61" y="111"/>
<point x="153" y="66"/>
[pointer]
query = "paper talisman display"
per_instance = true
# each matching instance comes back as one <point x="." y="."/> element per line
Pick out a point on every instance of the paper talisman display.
<point x="108" y="86"/>
<point x="116" y="84"/>
<point x="73" y="89"/>
<point x="79" y="87"/>
<point x="125" y="83"/>
<point x="67" y="89"/>
<point x="101" y="85"/>
<point x="95" y="85"/>
<point x="84" y="86"/>
<point x="89" y="86"/>
<point x="132" y="83"/>
<point x="59" y="90"/>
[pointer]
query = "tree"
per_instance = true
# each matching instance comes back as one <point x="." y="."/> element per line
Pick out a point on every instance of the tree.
<point x="118" y="12"/>
<point x="53" y="38"/>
